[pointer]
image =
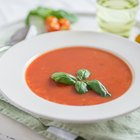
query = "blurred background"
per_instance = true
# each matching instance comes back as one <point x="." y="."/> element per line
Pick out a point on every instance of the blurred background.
<point x="17" y="10"/>
<point x="12" y="10"/>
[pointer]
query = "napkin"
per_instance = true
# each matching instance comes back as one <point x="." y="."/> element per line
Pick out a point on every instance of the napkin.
<point x="122" y="128"/>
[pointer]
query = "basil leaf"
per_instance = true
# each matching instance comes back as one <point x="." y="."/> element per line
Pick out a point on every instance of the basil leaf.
<point x="40" y="12"/>
<point x="81" y="87"/>
<point x="98" y="87"/>
<point x="64" y="78"/>
<point x="83" y="74"/>
<point x="63" y="14"/>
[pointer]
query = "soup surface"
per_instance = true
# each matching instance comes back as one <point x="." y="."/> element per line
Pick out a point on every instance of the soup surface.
<point x="104" y="66"/>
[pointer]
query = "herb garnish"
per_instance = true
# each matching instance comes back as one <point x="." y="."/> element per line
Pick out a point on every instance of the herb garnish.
<point x="64" y="78"/>
<point x="98" y="87"/>
<point x="82" y="85"/>
<point x="82" y="74"/>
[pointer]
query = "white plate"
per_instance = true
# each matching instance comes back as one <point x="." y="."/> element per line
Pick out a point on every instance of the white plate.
<point x="14" y="62"/>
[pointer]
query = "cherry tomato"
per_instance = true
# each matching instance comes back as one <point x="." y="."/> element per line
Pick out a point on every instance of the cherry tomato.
<point x="138" y="38"/>
<point x="63" y="21"/>
<point x="53" y="27"/>
<point x="52" y="24"/>
<point x="51" y="19"/>
<point x="64" y="24"/>
<point x="65" y="27"/>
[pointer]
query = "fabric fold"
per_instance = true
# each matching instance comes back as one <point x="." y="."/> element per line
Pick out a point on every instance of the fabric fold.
<point x="124" y="127"/>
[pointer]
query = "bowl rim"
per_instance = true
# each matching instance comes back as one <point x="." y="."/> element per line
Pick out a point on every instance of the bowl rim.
<point x="45" y="109"/>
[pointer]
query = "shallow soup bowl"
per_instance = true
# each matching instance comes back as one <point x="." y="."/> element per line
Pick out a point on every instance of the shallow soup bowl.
<point x="14" y="63"/>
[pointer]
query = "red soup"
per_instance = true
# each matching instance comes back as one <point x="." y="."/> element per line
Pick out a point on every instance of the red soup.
<point x="104" y="66"/>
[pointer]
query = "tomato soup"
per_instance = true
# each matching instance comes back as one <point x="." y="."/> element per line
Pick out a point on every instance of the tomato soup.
<point x="104" y="66"/>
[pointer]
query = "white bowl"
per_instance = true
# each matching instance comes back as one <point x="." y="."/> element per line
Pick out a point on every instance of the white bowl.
<point x="13" y="85"/>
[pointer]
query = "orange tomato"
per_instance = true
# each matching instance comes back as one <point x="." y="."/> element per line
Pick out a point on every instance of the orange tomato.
<point x="65" y="27"/>
<point x="51" y="19"/>
<point x="53" y="27"/>
<point x="63" y="21"/>
<point x="52" y="24"/>
<point x="64" y="24"/>
<point x="138" y="38"/>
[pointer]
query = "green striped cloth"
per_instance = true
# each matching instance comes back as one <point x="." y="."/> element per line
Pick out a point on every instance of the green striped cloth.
<point x="121" y="128"/>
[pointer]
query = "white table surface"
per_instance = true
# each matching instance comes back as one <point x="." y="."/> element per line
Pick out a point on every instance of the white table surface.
<point x="10" y="129"/>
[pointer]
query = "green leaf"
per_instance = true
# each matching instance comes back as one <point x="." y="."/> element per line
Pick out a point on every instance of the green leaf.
<point x="81" y="87"/>
<point x="63" y="14"/>
<point x="83" y="74"/>
<point x="40" y="12"/>
<point x="65" y="78"/>
<point x="98" y="87"/>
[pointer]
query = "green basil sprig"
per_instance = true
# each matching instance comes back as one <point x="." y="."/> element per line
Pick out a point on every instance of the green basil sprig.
<point x="82" y="85"/>
<point x="83" y="74"/>
<point x="98" y="87"/>
<point x="64" y="78"/>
